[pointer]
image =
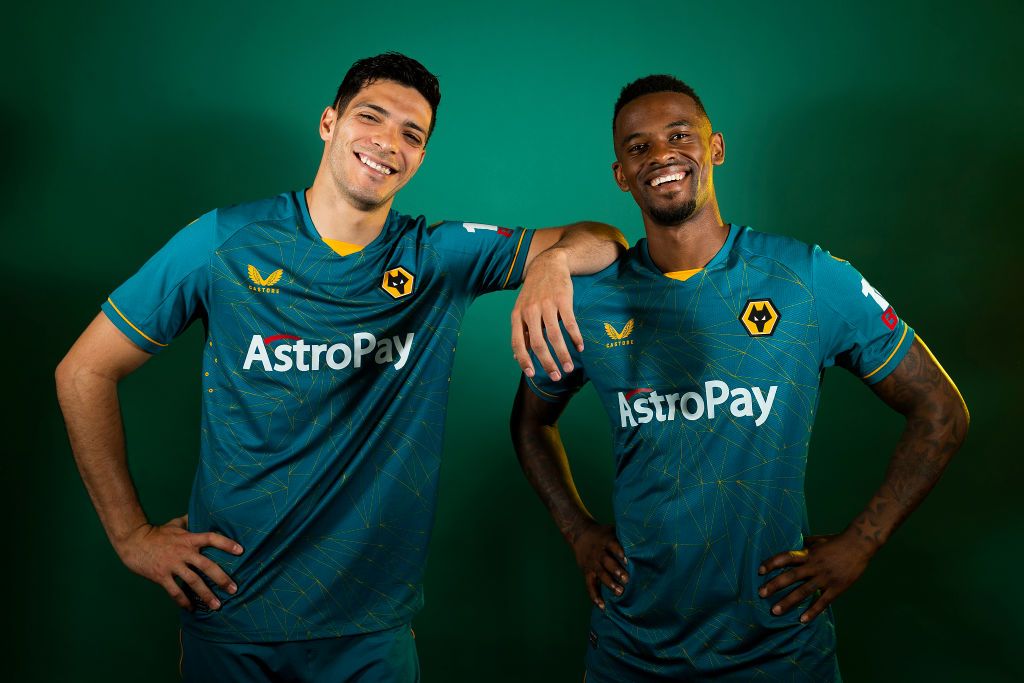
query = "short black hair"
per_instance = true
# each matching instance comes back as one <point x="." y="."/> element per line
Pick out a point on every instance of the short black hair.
<point x="652" y="84"/>
<point x="390" y="66"/>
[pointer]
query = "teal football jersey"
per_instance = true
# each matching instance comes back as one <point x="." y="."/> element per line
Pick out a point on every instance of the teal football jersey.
<point x="325" y="382"/>
<point x="711" y="386"/>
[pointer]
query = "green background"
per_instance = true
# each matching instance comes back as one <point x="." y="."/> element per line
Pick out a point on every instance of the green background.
<point x="892" y="137"/>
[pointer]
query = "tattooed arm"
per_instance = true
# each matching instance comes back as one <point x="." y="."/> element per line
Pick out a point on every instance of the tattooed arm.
<point x="936" y="426"/>
<point x="542" y="456"/>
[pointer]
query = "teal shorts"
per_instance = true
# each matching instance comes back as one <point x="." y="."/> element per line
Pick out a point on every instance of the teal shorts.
<point x="378" y="657"/>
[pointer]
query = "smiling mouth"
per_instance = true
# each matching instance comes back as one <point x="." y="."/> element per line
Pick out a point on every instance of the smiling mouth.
<point x="375" y="165"/>
<point x="667" y="178"/>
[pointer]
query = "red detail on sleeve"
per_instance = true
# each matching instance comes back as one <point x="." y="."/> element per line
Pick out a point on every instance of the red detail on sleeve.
<point x="890" y="319"/>
<point x="634" y="392"/>
<point x="505" y="232"/>
<point x="276" y="337"/>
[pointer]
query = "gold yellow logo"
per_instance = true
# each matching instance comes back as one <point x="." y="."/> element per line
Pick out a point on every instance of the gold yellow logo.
<point x="759" y="317"/>
<point x="398" y="282"/>
<point x="265" y="284"/>
<point x="619" y="338"/>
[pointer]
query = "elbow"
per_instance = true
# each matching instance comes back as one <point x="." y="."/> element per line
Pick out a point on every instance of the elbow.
<point x="74" y="377"/>
<point x="945" y="421"/>
<point x="957" y="415"/>
<point x="64" y="374"/>
<point x="962" y="419"/>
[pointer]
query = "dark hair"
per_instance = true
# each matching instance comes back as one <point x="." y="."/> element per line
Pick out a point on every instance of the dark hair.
<point x="390" y="66"/>
<point x="652" y="84"/>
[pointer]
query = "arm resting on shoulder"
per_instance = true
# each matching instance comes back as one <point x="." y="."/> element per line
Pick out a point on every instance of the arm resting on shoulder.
<point x="547" y="294"/>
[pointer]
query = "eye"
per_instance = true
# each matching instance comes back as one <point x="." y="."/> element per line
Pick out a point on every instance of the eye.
<point x="638" y="148"/>
<point x="679" y="136"/>
<point x="413" y="139"/>
<point x="367" y="117"/>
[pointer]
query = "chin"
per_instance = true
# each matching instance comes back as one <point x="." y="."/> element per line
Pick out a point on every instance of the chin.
<point x="673" y="213"/>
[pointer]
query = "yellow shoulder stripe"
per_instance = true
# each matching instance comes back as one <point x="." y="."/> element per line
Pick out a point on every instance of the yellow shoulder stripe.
<point x="515" y="257"/>
<point x="534" y="385"/>
<point x="114" y="306"/>
<point x="886" y="362"/>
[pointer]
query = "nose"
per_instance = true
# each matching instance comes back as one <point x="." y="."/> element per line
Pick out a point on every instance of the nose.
<point x="662" y="152"/>
<point x="386" y="139"/>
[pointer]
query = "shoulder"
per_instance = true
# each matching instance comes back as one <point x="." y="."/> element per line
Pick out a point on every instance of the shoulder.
<point x="623" y="272"/>
<point x="277" y="211"/>
<point x="783" y="252"/>
<point x="459" y="230"/>
<point x="770" y="246"/>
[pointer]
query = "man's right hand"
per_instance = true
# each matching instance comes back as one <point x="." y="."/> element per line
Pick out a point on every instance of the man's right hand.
<point x="161" y="553"/>
<point x="601" y="558"/>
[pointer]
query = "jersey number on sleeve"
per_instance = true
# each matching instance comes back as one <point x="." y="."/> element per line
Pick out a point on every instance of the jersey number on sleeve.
<point x="888" y="315"/>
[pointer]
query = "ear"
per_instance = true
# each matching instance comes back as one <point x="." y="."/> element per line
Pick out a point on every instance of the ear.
<point x="327" y="121"/>
<point x="717" y="149"/>
<point x="620" y="178"/>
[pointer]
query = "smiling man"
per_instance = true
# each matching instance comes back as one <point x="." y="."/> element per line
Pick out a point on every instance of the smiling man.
<point x="707" y="344"/>
<point x="331" y="323"/>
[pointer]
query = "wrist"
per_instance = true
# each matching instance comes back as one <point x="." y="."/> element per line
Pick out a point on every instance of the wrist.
<point x="869" y="541"/>
<point x="124" y="538"/>
<point x="576" y="529"/>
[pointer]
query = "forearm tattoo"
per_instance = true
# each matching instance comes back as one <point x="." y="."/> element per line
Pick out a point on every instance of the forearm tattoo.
<point x="543" y="460"/>
<point x="936" y="426"/>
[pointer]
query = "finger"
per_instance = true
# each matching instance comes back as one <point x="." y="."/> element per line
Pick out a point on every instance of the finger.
<point x="569" y="322"/>
<point x="197" y="584"/>
<point x="811" y="541"/>
<point x="519" y="351"/>
<point x="176" y="594"/>
<point x="554" y="333"/>
<point x="783" y="580"/>
<point x="213" y="572"/>
<point x="595" y="595"/>
<point x="795" y="597"/>
<point x="179" y="522"/>
<point x="535" y="330"/>
<point x="215" y="540"/>
<point x="786" y="559"/>
<point x="608" y="580"/>
<point x="818" y="606"/>
<point x="616" y="549"/>
<point x="612" y="566"/>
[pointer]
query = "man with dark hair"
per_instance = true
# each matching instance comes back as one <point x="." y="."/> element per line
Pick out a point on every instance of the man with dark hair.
<point x="707" y="344"/>
<point x="331" y="323"/>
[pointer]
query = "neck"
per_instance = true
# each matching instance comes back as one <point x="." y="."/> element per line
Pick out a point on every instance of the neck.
<point x="335" y="217"/>
<point x="689" y="245"/>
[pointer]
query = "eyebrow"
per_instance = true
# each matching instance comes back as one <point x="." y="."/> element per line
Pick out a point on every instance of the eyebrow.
<point x="386" y="114"/>
<point x="674" y="124"/>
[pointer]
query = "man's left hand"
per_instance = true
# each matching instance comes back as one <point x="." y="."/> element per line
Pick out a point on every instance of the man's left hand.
<point x="545" y="297"/>
<point x="826" y="564"/>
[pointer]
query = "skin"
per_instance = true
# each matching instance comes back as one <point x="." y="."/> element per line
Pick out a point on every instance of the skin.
<point x="665" y="133"/>
<point x="385" y="123"/>
<point x="541" y="454"/>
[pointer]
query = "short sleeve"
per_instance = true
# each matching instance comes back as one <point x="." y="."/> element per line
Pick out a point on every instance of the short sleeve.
<point x="484" y="258"/>
<point x="858" y="329"/>
<point x="558" y="392"/>
<point x="161" y="300"/>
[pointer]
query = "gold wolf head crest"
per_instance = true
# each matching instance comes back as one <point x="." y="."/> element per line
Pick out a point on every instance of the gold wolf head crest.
<point x="626" y="330"/>
<point x="268" y="281"/>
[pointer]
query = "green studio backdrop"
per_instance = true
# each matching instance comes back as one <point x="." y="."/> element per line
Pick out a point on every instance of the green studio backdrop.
<point x="890" y="135"/>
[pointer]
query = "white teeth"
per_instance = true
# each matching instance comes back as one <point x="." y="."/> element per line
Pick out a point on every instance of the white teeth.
<point x="667" y="178"/>
<point x="374" y="165"/>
